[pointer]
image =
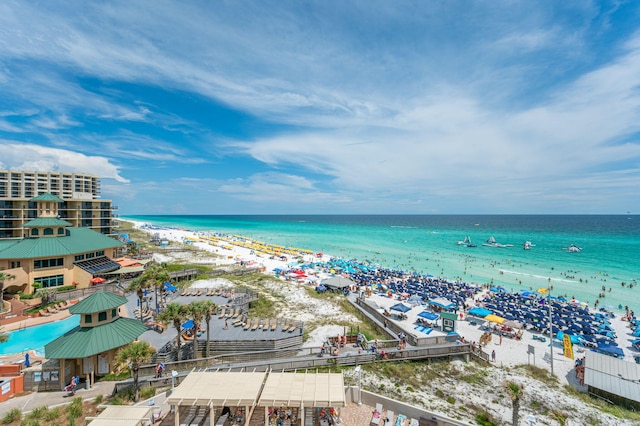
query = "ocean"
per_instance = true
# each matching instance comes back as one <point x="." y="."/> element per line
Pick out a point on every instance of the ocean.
<point x="608" y="263"/>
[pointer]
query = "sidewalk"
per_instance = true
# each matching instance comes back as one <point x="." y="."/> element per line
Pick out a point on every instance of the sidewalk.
<point x="51" y="399"/>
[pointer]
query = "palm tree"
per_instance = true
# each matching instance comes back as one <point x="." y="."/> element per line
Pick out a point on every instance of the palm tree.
<point x="3" y="336"/>
<point x="515" y="391"/>
<point x="155" y="276"/>
<point x="198" y="310"/>
<point x="4" y="276"/>
<point x="139" y="285"/>
<point x="132" y="356"/>
<point x="212" y="308"/>
<point x="174" y="313"/>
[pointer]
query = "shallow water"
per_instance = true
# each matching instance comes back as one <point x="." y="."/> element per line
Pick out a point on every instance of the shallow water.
<point x="428" y="244"/>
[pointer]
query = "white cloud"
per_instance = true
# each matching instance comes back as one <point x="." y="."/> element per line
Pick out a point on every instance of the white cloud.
<point x="19" y="156"/>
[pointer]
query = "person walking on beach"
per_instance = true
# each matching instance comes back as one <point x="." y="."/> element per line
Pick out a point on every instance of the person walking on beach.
<point x="493" y="355"/>
<point x="226" y="324"/>
<point x="501" y="338"/>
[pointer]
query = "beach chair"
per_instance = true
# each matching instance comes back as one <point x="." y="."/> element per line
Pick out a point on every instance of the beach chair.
<point x="238" y="321"/>
<point x="43" y="313"/>
<point x="256" y="324"/>
<point x="247" y="324"/>
<point x="286" y="325"/>
<point x="191" y="414"/>
<point x="52" y="310"/>
<point x="390" y="416"/>
<point x="184" y="292"/>
<point x="199" y="292"/>
<point x="377" y="414"/>
<point x="266" y="325"/>
<point x="274" y="324"/>
<point x="221" y="312"/>
<point x="237" y="313"/>
<point x="293" y="327"/>
<point x="400" y="420"/>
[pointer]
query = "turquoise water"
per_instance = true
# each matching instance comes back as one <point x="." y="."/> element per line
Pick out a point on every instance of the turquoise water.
<point x="35" y="337"/>
<point x="428" y="244"/>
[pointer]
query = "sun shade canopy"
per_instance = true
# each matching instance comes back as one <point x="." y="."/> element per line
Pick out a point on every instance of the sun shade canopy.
<point x="218" y="388"/>
<point x="303" y="390"/>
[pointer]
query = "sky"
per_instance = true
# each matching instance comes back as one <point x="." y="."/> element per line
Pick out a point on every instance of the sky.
<point x="329" y="107"/>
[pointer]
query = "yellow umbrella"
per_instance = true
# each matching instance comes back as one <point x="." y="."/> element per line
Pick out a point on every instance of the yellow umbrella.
<point x="494" y="318"/>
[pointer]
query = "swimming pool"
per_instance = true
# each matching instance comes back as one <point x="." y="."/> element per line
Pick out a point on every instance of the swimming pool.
<point x="35" y="337"/>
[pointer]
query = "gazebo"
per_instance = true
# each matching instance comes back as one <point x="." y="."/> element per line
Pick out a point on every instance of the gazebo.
<point x="90" y="348"/>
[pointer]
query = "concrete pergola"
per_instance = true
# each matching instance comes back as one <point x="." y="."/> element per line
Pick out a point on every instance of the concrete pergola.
<point x="262" y="389"/>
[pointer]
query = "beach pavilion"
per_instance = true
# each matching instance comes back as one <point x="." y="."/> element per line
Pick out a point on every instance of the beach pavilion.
<point x="338" y="283"/>
<point x="202" y="393"/>
<point x="90" y="348"/>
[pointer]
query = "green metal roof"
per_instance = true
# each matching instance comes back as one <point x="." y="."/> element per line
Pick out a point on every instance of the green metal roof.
<point x="47" y="197"/>
<point x="46" y="221"/>
<point x="78" y="240"/>
<point x="98" y="302"/>
<point x="82" y="342"/>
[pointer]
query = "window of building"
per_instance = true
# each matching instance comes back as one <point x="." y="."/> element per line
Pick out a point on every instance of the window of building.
<point x="15" y="264"/>
<point x="53" y="281"/>
<point x="47" y="231"/>
<point x="34" y="231"/>
<point x="91" y="255"/>
<point x="78" y="257"/>
<point x="60" y="231"/>
<point x="100" y="253"/>
<point x="48" y="263"/>
<point x="87" y="318"/>
<point x="114" y="312"/>
<point x="102" y="316"/>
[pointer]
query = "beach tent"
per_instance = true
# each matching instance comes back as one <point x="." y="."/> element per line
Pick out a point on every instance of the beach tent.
<point x="513" y="323"/>
<point x="574" y="339"/>
<point x="494" y="318"/>
<point x="337" y="283"/>
<point x="479" y="312"/>
<point x="610" y="350"/>
<point x="400" y="307"/>
<point x="442" y="302"/>
<point x="415" y="300"/>
<point x="430" y="316"/>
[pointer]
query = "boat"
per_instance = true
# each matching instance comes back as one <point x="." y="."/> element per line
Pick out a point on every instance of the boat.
<point x="527" y="245"/>
<point x="491" y="242"/>
<point x="466" y="242"/>
<point x="573" y="249"/>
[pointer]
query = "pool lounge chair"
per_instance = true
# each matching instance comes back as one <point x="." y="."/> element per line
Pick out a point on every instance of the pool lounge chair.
<point x="274" y="324"/>
<point x="256" y="323"/>
<point x="400" y="420"/>
<point x="247" y="324"/>
<point x="43" y="313"/>
<point x="292" y="327"/>
<point x="286" y="325"/>
<point x="377" y="414"/>
<point x="389" y="417"/>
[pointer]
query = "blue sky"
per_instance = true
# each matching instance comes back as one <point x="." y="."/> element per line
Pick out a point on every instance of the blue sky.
<point x="319" y="107"/>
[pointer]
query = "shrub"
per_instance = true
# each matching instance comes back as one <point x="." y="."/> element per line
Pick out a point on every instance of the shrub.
<point x="13" y="415"/>
<point x="484" y="419"/>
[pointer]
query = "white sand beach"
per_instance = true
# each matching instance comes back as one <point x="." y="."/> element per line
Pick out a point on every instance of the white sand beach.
<point x="509" y="352"/>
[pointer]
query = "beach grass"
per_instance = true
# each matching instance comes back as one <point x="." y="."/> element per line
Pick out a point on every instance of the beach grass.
<point x="602" y="405"/>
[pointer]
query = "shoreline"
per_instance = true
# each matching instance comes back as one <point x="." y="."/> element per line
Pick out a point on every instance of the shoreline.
<point x="510" y="352"/>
